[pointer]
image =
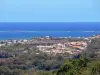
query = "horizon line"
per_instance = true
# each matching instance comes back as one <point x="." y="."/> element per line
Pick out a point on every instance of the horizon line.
<point x="47" y="31"/>
<point x="49" y="22"/>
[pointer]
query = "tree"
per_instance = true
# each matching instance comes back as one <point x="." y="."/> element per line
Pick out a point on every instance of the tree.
<point x="66" y="69"/>
<point x="5" y="71"/>
<point x="96" y="69"/>
<point x="73" y="67"/>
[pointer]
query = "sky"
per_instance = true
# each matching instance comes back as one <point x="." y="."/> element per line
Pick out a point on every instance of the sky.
<point x="49" y="10"/>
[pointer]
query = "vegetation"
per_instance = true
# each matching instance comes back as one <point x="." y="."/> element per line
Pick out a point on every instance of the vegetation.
<point x="81" y="66"/>
<point x="27" y="60"/>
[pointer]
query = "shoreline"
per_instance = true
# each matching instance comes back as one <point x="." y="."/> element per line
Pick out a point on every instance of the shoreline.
<point x="29" y="38"/>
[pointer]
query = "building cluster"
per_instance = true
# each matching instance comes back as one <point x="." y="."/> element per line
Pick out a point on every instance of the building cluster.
<point x="12" y="42"/>
<point x="95" y="36"/>
<point x="61" y="48"/>
<point x="51" y="45"/>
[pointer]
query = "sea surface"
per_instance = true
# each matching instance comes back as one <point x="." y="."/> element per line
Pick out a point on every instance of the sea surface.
<point x="22" y="30"/>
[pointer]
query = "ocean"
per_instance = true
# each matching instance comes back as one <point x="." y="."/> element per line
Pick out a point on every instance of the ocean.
<point x="22" y="30"/>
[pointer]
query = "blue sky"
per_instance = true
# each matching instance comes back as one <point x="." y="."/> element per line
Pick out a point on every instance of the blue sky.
<point x="49" y="11"/>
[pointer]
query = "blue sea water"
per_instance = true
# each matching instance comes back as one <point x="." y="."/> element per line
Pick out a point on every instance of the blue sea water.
<point x="58" y="29"/>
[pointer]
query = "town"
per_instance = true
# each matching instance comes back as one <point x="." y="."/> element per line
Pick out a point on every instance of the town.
<point x="53" y="45"/>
